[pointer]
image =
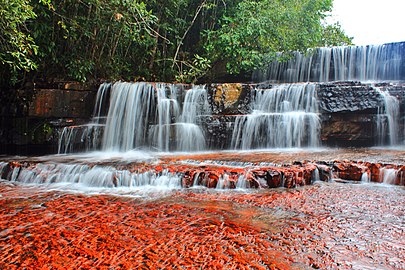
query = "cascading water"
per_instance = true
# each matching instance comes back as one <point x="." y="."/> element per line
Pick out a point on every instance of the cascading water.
<point x="365" y="178"/>
<point x="87" y="137"/>
<point x="131" y="107"/>
<point x="284" y="116"/>
<point x="143" y="115"/>
<point x="188" y="133"/>
<point x="388" y="175"/>
<point x="168" y="117"/>
<point x="363" y="63"/>
<point x="179" y="129"/>
<point x="388" y="119"/>
<point x="167" y="110"/>
<point x="93" y="176"/>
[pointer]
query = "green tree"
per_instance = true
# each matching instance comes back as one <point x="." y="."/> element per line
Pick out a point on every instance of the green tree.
<point x="93" y="39"/>
<point x="333" y="35"/>
<point x="17" y="47"/>
<point x="251" y="34"/>
<point x="158" y="39"/>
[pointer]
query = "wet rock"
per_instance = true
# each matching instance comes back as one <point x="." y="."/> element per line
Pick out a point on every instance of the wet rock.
<point x="273" y="178"/>
<point x="230" y="98"/>
<point x="349" y="170"/>
<point x="290" y="179"/>
<point x="348" y="97"/>
<point x="375" y="172"/>
<point x="400" y="180"/>
<point x="57" y="103"/>
<point x="324" y="172"/>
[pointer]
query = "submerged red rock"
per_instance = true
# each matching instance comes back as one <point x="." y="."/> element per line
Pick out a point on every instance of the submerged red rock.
<point x="325" y="226"/>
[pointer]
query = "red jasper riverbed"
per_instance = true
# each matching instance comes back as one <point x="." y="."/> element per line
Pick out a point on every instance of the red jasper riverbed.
<point x="325" y="225"/>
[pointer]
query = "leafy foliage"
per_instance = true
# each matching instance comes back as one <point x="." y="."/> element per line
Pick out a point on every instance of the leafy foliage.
<point x="94" y="38"/>
<point x="17" y="47"/>
<point x="253" y="32"/>
<point x="194" y="70"/>
<point x="333" y="35"/>
<point x="156" y="40"/>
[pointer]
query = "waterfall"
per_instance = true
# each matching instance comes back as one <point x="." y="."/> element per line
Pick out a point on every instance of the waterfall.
<point x="283" y="117"/>
<point x="80" y="138"/>
<point x="315" y="176"/>
<point x="388" y="119"/>
<point x="131" y="105"/>
<point x="167" y="110"/>
<point x="178" y="128"/>
<point x="86" y="137"/>
<point x="365" y="178"/>
<point x="190" y="136"/>
<point x="141" y="115"/>
<point x="388" y="176"/>
<point x="135" y="119"/>
<point x="363" y="63"/>
<point x="100" y="107"/>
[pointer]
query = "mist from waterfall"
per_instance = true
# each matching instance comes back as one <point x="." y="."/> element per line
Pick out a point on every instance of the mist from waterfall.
<point x="284" y="116"/>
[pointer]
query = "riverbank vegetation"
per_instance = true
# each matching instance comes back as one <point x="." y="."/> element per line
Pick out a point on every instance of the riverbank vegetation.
<point x="171" y="40"/>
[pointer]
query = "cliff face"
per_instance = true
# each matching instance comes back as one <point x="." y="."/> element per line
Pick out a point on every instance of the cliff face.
<point x="31" y="118"/>
<point x="351" y="114"/>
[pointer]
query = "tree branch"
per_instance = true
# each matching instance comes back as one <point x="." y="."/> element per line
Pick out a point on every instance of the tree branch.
<point x="199" y="8"/>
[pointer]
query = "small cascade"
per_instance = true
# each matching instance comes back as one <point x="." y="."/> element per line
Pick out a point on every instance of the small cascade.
<point x="80" y="138"/>
<point x="93" y="176"/>
<point x="87" y="137"/>
<point x="282" y="117"/>
<point x="242" y="183"/>
<point x="3" y="166"/>
<point x="388" y="119"/>
<point x="223" y="182"/>
<point x="363" y="63"/>
<point x="388" y="175"/>
<point x="316" y="177"/>
<point x="365" y="178"/>
<point x="189" y="135"/>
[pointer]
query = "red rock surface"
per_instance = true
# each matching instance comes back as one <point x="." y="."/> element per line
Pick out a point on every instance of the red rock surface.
<point x="325" y="226"/>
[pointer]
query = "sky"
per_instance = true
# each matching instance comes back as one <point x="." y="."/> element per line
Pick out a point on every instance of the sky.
<point x="371" y="22"/>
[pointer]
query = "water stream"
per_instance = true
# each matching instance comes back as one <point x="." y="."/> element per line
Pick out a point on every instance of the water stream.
<point x="164" y="118"/>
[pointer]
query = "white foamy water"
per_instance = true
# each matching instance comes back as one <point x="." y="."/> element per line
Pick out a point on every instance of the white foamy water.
<point x="285" y="116"/>
<point x="388" y="119"/>
<point x="141" y="115"/>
